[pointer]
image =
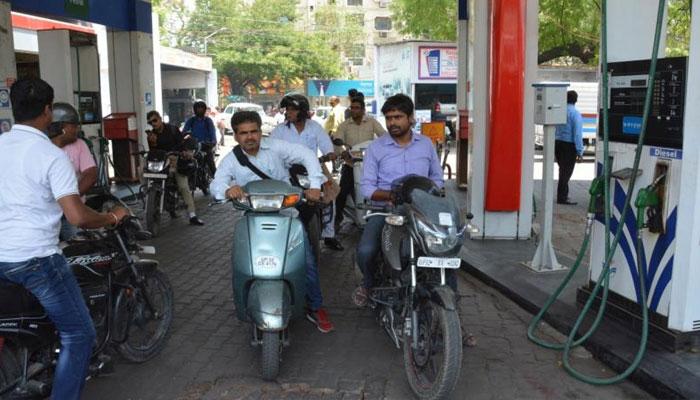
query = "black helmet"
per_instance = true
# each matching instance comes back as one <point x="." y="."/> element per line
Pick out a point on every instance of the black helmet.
<point x="199" y="103"/>
<point x="297" y="101"/>
<point x="63" y="113"/>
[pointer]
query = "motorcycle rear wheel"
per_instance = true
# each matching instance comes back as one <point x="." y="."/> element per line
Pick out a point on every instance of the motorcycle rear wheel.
<point x="271" y="347"/>
<point x="430" y="376"/>
<point x="153" y="211"/>
<point x="152" y="341"/>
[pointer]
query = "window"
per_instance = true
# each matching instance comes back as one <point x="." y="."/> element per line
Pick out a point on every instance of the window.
<point x="355" y="20"/>
<point x="355" y="3"/>
<point x="356" y="54"/>
<point x="382" y="23"/>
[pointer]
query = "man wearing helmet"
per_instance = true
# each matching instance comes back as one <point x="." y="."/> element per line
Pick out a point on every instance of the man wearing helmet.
<point x="301" y="129"/>
<point x="63" y="132"/>
<point x="201" y="127"/>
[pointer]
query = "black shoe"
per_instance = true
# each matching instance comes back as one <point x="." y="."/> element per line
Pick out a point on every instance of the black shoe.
<point x="333" y="244"/>
<point x="567" y="202"/>
<point x="196" y="221"/>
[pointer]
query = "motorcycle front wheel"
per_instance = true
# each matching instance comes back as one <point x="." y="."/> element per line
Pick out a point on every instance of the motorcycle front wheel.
<point x="433" y="367"/>
<point x="148" y="327"/>
<point x="10" y="369"/>
<point x="270" y="355"/>
<point x="153" y="211"/>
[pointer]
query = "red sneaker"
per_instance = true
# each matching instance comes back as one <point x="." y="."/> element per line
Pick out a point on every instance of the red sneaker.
<point x="320" y="319"/>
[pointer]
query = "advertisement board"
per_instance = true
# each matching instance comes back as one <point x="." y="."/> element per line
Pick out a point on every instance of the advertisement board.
<point x="437" y="62"/>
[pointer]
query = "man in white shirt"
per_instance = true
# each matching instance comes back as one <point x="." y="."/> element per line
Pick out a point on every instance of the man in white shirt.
<point x="38" y="186"/>
<point x="299" y="128"/>
<point x="273" y="158"/>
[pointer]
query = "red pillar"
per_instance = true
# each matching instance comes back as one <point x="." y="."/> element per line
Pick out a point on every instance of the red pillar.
<point x="506" y="118"/>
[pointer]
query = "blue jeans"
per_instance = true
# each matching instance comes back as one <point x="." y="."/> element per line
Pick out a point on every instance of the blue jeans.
<point x="368" y="248"/>
<point x="52" y="282"/>
<point x="68" y="231"/>
<point x="313" y="282"/>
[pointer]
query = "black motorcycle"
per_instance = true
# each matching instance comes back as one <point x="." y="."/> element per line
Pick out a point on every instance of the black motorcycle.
<point x="416" y="307"/>
<point x="130" y="301"/>
<point x="160" y="189"/>
<point x="200" y="172"/>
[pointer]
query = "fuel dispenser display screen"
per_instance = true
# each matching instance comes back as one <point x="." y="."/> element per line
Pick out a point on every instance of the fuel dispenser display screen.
<point x="628" y="84"/>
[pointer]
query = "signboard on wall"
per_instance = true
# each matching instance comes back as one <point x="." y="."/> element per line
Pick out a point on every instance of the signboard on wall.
<point x="327" y="87"/>
<point x="439" y="62"/>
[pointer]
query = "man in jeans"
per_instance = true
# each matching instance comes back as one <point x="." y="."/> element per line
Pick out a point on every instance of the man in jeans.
<point x="273" y="158"/>
<point x="388" y="158"/>
<point x="38" y="186"/>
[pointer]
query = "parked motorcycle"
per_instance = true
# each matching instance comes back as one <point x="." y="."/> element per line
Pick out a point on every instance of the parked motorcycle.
<point x="130" y="301"/>
<point x="416" y="308"/>
<point x="269" y="268"/>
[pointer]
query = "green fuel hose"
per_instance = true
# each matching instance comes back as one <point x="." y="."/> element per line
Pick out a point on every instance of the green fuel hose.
<point x="603" y="279"/>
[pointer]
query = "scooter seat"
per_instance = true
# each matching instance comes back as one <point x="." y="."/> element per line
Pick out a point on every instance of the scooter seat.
<point x="16" y="301"/>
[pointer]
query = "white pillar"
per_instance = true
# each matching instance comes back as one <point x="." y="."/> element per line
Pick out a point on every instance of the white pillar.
<point x="478" y="143"/>
<point x="212" y="88"/>
<point x="157" y="78"/>
<point x="8" y="66"/>
<point x="55" y="64"/>
<point x="132" y="76"/>
<point x="684" y="313"/>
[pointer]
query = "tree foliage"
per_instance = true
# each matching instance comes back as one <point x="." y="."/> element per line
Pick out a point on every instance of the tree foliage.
<point x="678" y="38"/>
<point x="257" y="42"/>
<point x="569" y="29"/>
<point x="426" y="19"/>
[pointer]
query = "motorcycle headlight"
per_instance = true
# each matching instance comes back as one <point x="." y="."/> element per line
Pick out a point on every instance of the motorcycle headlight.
<point x="268" y="202"/>
<point x="156" y="166"/>
<point x="438" y="242"/>
<point x="304" y="181"/>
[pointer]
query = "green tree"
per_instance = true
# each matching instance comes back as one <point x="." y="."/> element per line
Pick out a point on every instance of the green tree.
<point x="256" y="41"/>
<point x="426" y="19"/>
<point x="569" y="29"/>
<point x="678" y="37"/>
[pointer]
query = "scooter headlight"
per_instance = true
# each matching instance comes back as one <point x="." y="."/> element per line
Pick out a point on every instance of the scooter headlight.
<point x="156" y="166"/>
<point x="267" y="202"/>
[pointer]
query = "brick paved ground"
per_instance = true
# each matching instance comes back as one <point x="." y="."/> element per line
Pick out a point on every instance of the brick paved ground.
<point x="208" y="355"/>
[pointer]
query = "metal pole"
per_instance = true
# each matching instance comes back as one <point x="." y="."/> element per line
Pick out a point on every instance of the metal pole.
<point x="545" y="259"/>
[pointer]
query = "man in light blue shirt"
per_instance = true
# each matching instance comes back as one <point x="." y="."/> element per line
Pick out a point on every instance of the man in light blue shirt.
<point x="388" y="158"/>
<point x="568" y="146"/>
<point x="273" y="158"/>
<point x="299" y="128"/>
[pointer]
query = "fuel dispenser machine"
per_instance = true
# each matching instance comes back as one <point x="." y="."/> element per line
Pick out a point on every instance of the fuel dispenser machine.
<point x="654" y="202"/>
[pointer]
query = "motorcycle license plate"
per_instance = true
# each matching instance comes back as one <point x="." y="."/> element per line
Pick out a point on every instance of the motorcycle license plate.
<point x="154" y="176"/>
<point x="147" y="250"/>
<point x="437" y="262"/>
<point x="267" y="262"/>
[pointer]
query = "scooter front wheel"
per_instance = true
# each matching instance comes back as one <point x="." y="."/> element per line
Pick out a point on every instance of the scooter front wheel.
<point x="271" y="346"/>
